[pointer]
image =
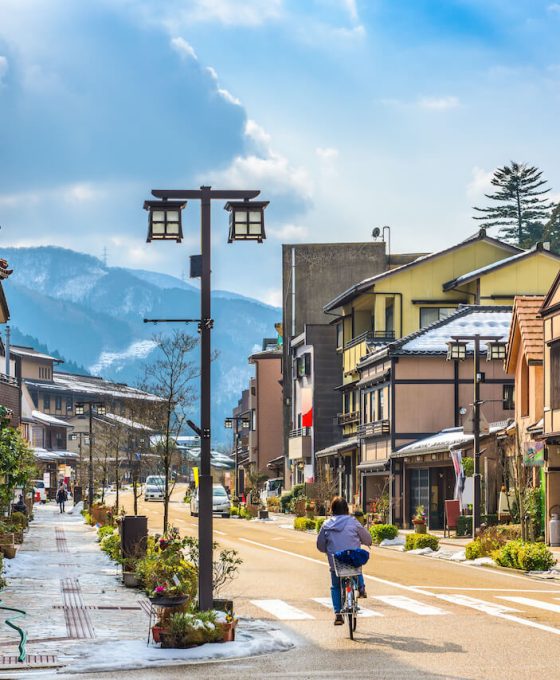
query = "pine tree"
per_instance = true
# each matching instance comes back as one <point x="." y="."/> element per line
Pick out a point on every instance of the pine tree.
<point x="551" y="230"/>
<point x="521" y="211"/>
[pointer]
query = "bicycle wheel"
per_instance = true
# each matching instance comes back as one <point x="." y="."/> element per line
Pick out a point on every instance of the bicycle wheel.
<point x="351" y="613"/>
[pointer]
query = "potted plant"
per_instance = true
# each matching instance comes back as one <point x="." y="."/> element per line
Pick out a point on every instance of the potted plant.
<point x="130" y="579"/>
<point x="419" y="520"/>
<point x="310" y="509"/>
<point x="227" y="626"/>
<point x="191" y="629"/>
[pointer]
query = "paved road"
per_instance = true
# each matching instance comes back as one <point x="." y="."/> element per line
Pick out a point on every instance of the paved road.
<point x="424" y="618"/>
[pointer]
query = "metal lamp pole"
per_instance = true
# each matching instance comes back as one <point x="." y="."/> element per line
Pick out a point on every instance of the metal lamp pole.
<point x="171" y="230"/>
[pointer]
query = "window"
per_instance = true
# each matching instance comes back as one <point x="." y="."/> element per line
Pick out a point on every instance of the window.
<point x="69" y="404"/>
<point x="58" y="403"/>
<point x="47" y="402"/>
<point x="339" y="335"/>
<point x="304" y="365"/>
<point x="372" y="406"/>
<point x="346" y="402"/>
<point x="508" y="397"/>
<point x="430" y="315"/>
<point x="59" y="441"/>
<point x="380" y="405"/>
<point x="555" y="375"/>
<point x="389" y="314"/>
<point x="44" y="373"/>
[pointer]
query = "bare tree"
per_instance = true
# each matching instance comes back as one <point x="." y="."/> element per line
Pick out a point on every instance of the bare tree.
<point x="169" y="377"/>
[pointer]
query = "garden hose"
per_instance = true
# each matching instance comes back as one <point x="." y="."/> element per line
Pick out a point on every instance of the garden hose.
<point x="22" y="634"/>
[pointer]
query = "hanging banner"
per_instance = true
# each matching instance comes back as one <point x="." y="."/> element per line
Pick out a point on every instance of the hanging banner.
<point x="195" y="475"/>
<point x="457" y="460"/>
<point x="533" y="455"/>
<point x="306" y="407"/>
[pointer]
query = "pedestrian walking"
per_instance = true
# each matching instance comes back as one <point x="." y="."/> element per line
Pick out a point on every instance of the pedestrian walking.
<point x="61" y="497"/>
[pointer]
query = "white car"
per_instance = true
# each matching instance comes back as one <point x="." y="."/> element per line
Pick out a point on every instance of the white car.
<point x="39" y="491"/>
<point x="220" y="501"/>
<point x="154" y="490"/>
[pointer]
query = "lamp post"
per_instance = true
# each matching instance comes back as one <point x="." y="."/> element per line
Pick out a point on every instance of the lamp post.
<point x="457" y="350"/>
<point x="80" y="411"/>
<point x="229" y="424"/>
<point x="246" y="223"/>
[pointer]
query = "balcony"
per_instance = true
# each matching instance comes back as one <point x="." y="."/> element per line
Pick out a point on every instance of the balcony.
<point x="348" y="418"/>
<point x="377" y="428"/>
<point x="371" y="338"/>
<point x="10" y="397"/>
<point x="299" y="443"/>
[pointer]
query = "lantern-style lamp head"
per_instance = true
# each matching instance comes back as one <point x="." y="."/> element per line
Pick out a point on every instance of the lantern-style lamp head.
<point x="100" y="408"/>
<point x="228" y="423"/>
<point x="456" y="350"/>
<point x="164" y="220"/>
<point x="496" y="350"/>
<point x="80" y="409"/>
<point x="245" y="423"/>
<point x="246" y="220"/>
<point x="72" y="437"/>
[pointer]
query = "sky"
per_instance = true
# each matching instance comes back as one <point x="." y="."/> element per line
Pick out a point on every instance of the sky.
<point x="346" y="114"/>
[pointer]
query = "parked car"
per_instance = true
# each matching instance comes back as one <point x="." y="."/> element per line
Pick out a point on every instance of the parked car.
<point x="220" y="501"/>
<point x="154" y="490"/>
<point x="39" y="491"/>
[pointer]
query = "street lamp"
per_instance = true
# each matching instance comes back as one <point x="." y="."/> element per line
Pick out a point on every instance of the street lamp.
<point x="246" y="223"/>
<point x="245" y="424"/>
<point x="457" y="350"/>
<point x="80" y="411"/>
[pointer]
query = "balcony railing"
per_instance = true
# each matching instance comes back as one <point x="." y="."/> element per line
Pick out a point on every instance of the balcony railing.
<point x="347" y="418"/>
<point x="371" y="337"/>
<point x="300" y="432"/>
<point x="377" y="428"/>
<point x="8" y="380"/>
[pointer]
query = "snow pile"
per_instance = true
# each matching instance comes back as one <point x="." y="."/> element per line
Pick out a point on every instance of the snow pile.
<point x="399" y="540"/>
<point x="458" y="556"/>
<point x="252" y="638"/>
<point x="420" y="551"/>
<point x="33" y="565"/>
<point x="77" y="509"/>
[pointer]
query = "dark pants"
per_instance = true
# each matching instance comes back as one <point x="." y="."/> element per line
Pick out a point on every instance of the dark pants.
<point x="336" y="596"/>
<point x="61" y="504"/>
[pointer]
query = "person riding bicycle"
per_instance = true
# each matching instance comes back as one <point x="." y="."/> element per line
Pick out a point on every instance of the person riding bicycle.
<point x="341" y="532"/>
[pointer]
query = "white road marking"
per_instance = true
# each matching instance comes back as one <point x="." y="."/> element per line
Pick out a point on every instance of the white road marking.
<point x="492" y="590"/>
<point x="222" y="533"/>
<point x="539" y="604"/>
<point x="402" y="602"/>
<point x="492" y="608"/>
<point x="282" y="610"/>
<point x="365" y="613"/>
<point x="415" y="589"/>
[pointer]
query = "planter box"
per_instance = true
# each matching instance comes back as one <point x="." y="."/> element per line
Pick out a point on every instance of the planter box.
<point x="6" y="539"/>
<point x="419" y="528"/>
<point x="168" y="641"/>
<point x="9" y="551"/>
<point x="263" y="514"/>
<point x="130" y="579"/>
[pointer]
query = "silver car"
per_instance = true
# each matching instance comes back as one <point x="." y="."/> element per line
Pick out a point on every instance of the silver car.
<point x="155" y="488"/>
<point x="220" y="501"/>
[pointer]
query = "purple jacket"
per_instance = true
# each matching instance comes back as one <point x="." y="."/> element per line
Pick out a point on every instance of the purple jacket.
<point x="341" y="532"/>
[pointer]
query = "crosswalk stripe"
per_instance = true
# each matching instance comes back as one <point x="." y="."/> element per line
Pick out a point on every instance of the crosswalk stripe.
<point x="282" y="610"/>
<point x="363" y="612"/>
<point x="474" y="603"/>
<point x="414" y="606"/>
<point x="539" y="604"/>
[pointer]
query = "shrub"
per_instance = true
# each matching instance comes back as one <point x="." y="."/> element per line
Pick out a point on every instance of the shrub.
<point x="104" y="531"/>
<point x="19" y="520"/>
<point x="304" y="523"/>
<point x="525" y="556"/>
<point x="417" y="541"/>
<point x="473" y="550"/>
<point x="234" y="510"/>
<point x="186" y="628"/>
<point x="464" y="525"/>
<point x="381" y="531"/>
<point x="111" y="545"/>
<point x="273" y="503"/>
<point x="319" y="521"/>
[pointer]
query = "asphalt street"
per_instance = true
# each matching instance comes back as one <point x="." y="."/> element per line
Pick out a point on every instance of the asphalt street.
<point x="422" y="618"/>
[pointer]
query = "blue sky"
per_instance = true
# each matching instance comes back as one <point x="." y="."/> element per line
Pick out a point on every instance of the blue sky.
<point x="347" y="114"/>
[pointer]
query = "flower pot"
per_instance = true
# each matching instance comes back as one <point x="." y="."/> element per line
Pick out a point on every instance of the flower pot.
<point x="170" y="641"/>
<point x="130" y="579"/>
<point x="419" y="527"/>
<point x="168" y="601"/>
<point x="156" y="633"/>
<point x="229" y="631"/>
<point x="9" y="551"/>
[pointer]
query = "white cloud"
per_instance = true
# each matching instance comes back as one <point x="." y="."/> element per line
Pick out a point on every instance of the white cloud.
<point x="180" y="14"/>
<point x="81" y="193"/>
<point x="258" y="135"/>
<point x="288" y="232"/>
<point x="554" y="7"/>
<point x="480" y="183"/>
<point x="212" y="72"/>
<point x="351" y="8"/>
<point x="3" y="68"/>
<point x="326" y="153"/>
<point x="226" y="94"/>
<point x="438" y="103"/>
<point x="182" y="47"/>
<point x="272" y="297"/>
<point x="69" y="193"/>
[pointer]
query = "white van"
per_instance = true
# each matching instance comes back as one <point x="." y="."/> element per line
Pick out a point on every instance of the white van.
<point x="39" y="491"/>
<point x="155" y="488"/>
<point x="272" y="487"/>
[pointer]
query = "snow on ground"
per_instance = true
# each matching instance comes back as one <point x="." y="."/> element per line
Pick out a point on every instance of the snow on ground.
<point x="137" y="350"/>
<point x="253" y="638"/>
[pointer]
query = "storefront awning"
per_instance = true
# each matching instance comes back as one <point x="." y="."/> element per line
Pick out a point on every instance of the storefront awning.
<point x="345" y="445"/>
<point x="374" y="466"/>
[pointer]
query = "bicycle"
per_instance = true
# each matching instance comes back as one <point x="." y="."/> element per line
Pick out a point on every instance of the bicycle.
<point x="348" y="576"/>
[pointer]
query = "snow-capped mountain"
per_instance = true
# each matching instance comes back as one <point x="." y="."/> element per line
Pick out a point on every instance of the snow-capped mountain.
<point x="93" y="315"/>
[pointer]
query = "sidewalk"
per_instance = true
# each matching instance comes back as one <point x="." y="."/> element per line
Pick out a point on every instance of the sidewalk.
<point x="81" y="617"/>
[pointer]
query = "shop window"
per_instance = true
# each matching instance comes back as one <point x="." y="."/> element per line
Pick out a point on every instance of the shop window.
<point x="508" y="397"/>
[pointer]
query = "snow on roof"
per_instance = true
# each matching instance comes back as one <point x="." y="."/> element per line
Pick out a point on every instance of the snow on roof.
<point x="451" y="437"/>
<point x="43" y="454"/>
<point x="46" y="419"/>
<point x="134" y="424"/>
<point x="30" y="352"/>
<point x="349" y="443"/>
<point x="87" y="384"/>
<point x="466" y="321"/>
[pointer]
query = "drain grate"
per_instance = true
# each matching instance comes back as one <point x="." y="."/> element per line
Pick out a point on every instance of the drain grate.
<point x="31" y="661"/>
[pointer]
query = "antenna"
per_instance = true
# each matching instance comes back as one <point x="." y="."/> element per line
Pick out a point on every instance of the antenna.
<point x="376" y="232"/>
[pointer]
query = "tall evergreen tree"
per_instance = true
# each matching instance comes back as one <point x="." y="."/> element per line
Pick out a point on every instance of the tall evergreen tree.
<point x="551" y="231"/>
<point x="521" y="209"/>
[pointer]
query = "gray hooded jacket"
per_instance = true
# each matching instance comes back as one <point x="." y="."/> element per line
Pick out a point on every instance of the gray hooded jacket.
<point x="341" y="532"/>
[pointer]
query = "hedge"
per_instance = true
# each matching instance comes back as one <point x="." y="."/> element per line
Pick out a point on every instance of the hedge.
<point x="319" y="521"/>
<point x="417" y="541"/>
<point x="304" y="524"/>
<point x="525" y="556"/>
<point x="381" y="531"/>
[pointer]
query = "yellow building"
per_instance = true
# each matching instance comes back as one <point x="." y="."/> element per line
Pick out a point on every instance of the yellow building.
<point x="480" y="270"/>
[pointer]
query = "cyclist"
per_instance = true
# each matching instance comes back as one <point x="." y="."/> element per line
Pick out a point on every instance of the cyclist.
<point x="341" y="532"/>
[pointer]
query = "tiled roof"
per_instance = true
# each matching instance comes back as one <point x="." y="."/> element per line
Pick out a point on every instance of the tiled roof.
<point x="525" y="317"/>
<point x="85" y="385"/>
<point x="451" y="437"/>
<point x="4" y="271"/>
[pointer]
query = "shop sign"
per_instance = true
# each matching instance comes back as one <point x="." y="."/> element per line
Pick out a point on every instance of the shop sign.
<point x="533" y="455"/>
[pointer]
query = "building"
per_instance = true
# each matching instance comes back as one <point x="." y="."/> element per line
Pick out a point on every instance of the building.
<point x="10" y="392"/>
<point x="312" y="274"/>
<point x="393" y="304"/>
